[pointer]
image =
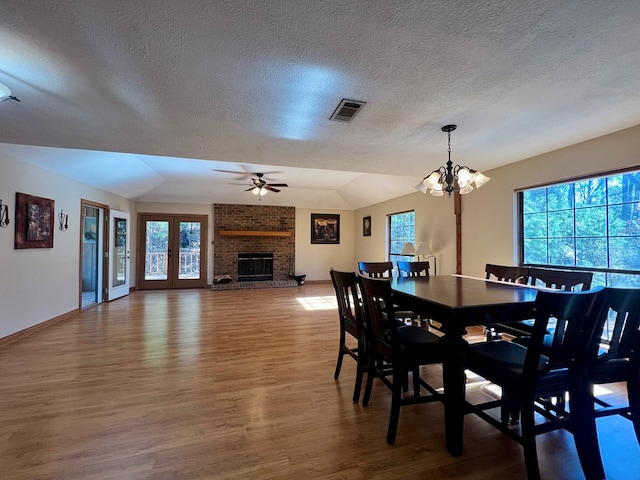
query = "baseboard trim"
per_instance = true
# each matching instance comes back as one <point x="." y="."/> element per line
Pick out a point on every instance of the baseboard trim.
<point x="14" y="337"/>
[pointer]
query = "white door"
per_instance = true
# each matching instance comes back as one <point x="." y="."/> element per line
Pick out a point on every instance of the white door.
<point x="119" y="254"/>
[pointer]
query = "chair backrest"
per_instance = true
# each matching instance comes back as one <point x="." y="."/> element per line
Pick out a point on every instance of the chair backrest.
<point x="350" y="308"/>
<point x="413" y="269"/>
<point x="507" y="273"/>
<point x="560" y="279"/>
<point x="381" y="326"/>
<point x="623" y="306"/>
<point x="376" y="269"/>
<point x="574" y="338"/>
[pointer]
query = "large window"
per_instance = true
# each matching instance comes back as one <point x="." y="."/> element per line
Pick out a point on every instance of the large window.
<point x="591" y="224"/>
<point x="402" y="227"/>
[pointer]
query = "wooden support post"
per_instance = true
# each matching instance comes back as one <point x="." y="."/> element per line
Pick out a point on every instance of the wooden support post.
<point x="457" y="207"/>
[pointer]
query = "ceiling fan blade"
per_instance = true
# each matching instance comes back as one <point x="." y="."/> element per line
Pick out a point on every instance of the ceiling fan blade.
<point x="277" y="185"/>
<point x="271" y="189"/>
<point x="249" y="189"/>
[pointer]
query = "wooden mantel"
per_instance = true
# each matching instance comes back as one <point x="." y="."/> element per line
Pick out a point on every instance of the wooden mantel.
<point x="253" y="233"/>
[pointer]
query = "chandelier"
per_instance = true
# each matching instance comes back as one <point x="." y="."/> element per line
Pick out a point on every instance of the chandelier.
<point x="449" y="178"/>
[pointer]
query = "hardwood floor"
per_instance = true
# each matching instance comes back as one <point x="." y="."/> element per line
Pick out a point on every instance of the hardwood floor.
<point x="196" y="384"/>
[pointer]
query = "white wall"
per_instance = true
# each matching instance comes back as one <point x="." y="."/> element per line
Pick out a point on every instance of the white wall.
<point x="40" y="284"/>
<point x="316" y="260"/>
<point x="488" y="215"/>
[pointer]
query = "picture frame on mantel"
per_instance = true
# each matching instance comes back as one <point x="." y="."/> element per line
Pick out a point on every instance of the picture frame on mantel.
<point x="34" y="222"/>
<point x="366" y="227"/>
<point x="325" y="228"/>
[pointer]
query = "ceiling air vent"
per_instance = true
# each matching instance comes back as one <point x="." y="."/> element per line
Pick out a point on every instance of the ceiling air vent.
<point x="346" y="110"/>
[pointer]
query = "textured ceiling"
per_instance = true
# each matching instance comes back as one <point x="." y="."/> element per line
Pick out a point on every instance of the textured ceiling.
<point x="149" y="98"/>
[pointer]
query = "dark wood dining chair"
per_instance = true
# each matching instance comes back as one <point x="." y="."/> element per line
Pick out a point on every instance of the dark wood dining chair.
<point x="507" y="273"/>
<point x="385" y="270"/>
<point x="561" y="279"/>
<point x="618" y="362"/>
<point x="565" y="280"/>
<point x="557" y="279"/>
<point x="413" y="269"/>
<point x="376" y="269"/>
<point x="351" y="315"/>
<point x="511" y="274"/>
<point x="416" y="269"/>
<point x="402" y="349"/>
<point x="526" y="374"/>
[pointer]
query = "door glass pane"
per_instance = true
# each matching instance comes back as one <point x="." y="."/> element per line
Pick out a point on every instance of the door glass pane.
<point x="90" y="256"/>
<point x="189" y="251"/>
<point x="120" y="252"/>
<point x="157" y="250"/>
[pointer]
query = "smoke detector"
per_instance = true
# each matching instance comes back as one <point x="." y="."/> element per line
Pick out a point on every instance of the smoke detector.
<point x="346" y="110"/>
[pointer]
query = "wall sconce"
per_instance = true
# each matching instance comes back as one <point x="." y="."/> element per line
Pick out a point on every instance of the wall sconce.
<point x="4" y="215"/>
<point x="63" y="221"/>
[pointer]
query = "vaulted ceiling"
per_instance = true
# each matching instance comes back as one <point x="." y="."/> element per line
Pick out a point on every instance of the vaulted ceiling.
<point x="159" y="100"/>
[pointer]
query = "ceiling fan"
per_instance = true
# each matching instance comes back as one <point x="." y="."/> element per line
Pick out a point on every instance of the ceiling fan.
<point x="261" y="187"/>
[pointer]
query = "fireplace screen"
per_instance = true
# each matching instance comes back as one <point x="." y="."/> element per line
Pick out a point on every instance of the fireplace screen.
<point x="255" y="267"/>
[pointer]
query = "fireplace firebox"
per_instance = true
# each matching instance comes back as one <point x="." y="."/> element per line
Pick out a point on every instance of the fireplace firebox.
<point x="254" y="267"/>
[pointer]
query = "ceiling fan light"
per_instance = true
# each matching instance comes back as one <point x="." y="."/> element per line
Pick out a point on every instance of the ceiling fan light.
<point x="263" y="191"/>
<point x="4" y="92"/>
<point x="256" y="191"/>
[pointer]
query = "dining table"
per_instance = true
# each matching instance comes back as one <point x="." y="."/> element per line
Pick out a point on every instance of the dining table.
<point x="457" y="302"/>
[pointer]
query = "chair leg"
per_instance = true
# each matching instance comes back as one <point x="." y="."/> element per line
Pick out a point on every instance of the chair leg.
<point x="396" y="396"/>
<point x="633" y="393"/>
<point x="358" y="386"/>
<point x="371" y="374"/>
<point x="416" y="379"/>
<point x="509" y="410"/>
<point x="585" y="434"/>
<point x="362" y="363"/>
<point x="336" y="374"/>
<point x="529" y="442"/>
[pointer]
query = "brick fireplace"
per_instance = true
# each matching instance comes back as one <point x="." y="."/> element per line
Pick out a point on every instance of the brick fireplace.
<point x="255" y="229"/>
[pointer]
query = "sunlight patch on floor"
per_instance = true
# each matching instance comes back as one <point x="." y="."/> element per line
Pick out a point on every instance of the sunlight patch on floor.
<point x="319" y="303"/>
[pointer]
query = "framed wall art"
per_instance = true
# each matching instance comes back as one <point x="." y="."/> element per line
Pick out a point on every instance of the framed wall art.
<point x="325" y="228"/>
<point x="366" y="227"/>
<point x="34" y="222"/>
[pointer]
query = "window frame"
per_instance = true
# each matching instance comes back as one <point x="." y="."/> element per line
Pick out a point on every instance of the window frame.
<point x="520" y="224"/>
<point x="391" y="256"/>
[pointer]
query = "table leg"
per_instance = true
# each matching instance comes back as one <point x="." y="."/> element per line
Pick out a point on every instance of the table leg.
<point x="454" y="390"/>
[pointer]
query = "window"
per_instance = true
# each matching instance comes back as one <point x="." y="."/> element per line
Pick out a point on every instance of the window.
<point x="402" y="228"/>
<point x="591" y="224"/>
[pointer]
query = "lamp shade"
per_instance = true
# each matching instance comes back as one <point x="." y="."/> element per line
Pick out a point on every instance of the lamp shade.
<point x="408" y="249"/>
<point x="423" y="249"/>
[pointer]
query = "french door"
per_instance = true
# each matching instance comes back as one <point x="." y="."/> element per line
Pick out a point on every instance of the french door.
<point x="171" y="251"/>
